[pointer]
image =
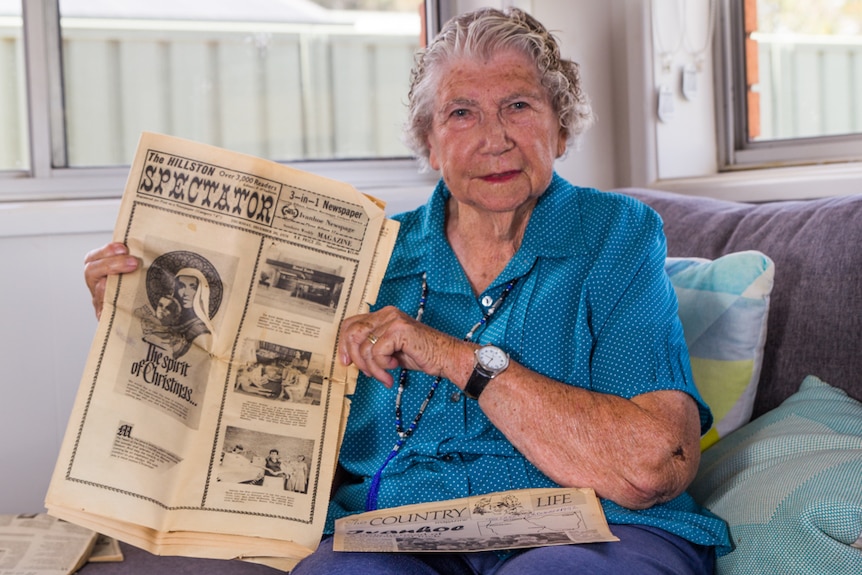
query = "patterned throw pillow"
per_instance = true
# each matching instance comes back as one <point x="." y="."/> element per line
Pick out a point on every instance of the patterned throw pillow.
<point x="789" y="485"/>
<point x="723" y="307"/>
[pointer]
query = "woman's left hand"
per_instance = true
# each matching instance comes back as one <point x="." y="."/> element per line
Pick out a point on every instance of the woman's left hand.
<point x="388" y="338"/>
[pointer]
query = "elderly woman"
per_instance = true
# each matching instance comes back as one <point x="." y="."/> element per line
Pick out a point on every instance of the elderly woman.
<point x="537" y="318"/>
<point x="525" y="335"/>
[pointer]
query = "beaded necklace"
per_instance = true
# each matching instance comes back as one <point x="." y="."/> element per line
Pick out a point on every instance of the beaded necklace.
<point x="403" y="434"/>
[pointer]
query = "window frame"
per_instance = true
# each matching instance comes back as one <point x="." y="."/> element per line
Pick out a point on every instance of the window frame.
<point x="735" y="151"/>
<point x="48" y="178"/>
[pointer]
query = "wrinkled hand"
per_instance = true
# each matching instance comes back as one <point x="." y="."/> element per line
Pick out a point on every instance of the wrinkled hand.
<point x="110" y="259"/>
<point x="388" y="338"/>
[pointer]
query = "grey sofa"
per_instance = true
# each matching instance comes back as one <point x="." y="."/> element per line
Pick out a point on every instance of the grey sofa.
<point x="789" y="483"/>
<point x="814" y="324"/>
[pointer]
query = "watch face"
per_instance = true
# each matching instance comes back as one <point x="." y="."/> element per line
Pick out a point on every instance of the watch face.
<point x="492" y="358"/>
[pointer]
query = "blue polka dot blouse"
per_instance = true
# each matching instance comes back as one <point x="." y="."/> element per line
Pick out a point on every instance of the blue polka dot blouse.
<point x="593" y="307"/>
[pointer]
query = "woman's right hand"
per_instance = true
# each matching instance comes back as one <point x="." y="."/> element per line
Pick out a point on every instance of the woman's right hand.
<point x="110" y="259"/>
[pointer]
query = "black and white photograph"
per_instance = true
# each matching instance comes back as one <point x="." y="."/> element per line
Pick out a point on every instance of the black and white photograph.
<point x="299" y="286"/>
<point x="272" y="462"/>
<point x="280" y="373"/>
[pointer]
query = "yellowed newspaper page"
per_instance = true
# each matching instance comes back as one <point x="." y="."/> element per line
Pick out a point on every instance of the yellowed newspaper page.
<point x="212" y="398"/>
<point x="496" y="521"/>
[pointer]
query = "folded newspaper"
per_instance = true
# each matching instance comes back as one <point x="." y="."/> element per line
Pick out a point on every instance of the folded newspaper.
<point x="209" y="415"/>
<point x="38" y="544"/>
<point x="496" y="521"/>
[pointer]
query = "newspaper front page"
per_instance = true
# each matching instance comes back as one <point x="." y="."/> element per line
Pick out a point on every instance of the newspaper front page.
<point x="38" y="544"/>
<point x="208" y="418"/>
<point x="496" y="521"/>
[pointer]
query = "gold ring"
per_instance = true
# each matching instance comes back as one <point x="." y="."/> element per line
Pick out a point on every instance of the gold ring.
<point x="372" y="338"/>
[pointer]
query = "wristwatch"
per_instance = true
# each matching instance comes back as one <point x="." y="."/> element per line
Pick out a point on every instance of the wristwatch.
<point x="491" y="361"/>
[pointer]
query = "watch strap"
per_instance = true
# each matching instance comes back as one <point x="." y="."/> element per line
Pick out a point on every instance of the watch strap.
<point x="479" y="379"/>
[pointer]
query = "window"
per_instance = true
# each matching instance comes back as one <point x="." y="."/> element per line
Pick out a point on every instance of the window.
<point x="299" y="81"/>
<point x="795" y="82"/>
<point x="284" y="80"/>
<point x="13" y="112"/>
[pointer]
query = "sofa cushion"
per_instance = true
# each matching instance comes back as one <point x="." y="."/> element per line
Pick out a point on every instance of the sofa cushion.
<point x="789" y="484"/>
<point x="723" y="307"/>
<point x="815" y="317"/>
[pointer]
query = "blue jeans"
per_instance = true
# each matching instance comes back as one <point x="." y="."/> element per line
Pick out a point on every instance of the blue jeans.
<point x="641" y="550"/>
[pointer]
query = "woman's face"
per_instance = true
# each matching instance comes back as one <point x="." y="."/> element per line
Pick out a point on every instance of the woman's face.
<point x="187" y="286"/>
<point x="494" y="134"/>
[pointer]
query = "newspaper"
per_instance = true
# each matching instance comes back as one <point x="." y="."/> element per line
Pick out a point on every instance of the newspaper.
<point x="209" y="415"/>
<point x="38" y="544"/>
<point x="496" y="521"/>
<point x="106" y="550"/>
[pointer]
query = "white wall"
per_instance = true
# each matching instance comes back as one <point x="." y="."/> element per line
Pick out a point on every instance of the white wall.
<point x="47" y="325"/>
<point x="585" y="30"/>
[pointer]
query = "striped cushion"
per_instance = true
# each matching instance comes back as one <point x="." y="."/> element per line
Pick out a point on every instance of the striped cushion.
<point x="723" y="307"/>
<point x="789" y="484"/>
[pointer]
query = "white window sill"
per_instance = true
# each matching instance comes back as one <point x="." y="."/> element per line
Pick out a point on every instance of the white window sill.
<point x="763" y="185"/>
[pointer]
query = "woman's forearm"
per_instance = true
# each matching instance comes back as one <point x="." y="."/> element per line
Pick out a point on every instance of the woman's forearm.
<point x="636" y="452"/>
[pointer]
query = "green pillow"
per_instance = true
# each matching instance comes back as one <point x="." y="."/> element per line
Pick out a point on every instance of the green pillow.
<point x="789" y="484"/>
<point x="723" y="307"/>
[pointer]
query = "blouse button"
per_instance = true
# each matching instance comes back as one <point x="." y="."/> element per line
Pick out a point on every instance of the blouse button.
<point x="487" y="301"/>
<point x="455" y="397"/>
